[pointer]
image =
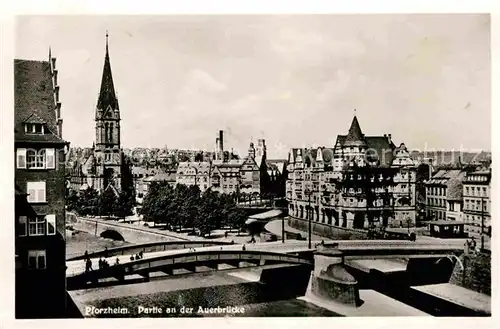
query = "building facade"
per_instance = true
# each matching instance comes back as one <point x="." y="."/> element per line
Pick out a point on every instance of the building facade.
<point x="103" y="166"/>
<point x="194" y="173"/>
<point x="444" y="195"/>
<point x="477" y="203"/>
<point x="362" y="181"/>
<point x="40" y="191"/>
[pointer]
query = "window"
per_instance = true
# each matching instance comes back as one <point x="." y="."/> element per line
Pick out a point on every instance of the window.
<point x="21" y="158"/>
<point x="36" y="192"/>
<point x="51" y="224"/>
<point x="37" y="260"/>
<point x="36" y="226"/>
<point x="22" y="225"/>
<point x="37" y="159"/>
<point x="34" y="128"/>
<point x="50" y="159"/>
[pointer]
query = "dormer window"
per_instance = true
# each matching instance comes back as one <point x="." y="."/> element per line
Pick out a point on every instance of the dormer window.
<point x="34" y="128"/>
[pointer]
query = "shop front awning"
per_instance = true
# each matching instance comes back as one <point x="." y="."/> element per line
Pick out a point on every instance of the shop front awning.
<point x="265" y="216"/>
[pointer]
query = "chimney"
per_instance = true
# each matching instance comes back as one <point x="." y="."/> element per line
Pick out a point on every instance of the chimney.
<point x="389" y="136"/>
<point x="221" y="144"/>
<point x="217" y="148"/>
<point x="53" y="63"/>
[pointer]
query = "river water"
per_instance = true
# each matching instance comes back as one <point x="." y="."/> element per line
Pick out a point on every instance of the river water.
<point x="219" y="289"/>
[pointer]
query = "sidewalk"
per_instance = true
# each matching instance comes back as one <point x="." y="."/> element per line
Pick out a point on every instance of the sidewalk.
<point x="216" y="235"/>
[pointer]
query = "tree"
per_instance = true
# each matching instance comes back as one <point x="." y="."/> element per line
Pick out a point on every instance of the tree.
<point x="72" y="200"/>
<point x="107" y="202"/>
<point x="209" y="213"/>
<point x="88" y="202"/>
<point x="127" y="194"/>
<point x="237" y="218"/>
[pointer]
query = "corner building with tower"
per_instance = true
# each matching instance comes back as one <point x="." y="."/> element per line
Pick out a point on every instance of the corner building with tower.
<point x="361" y="182"/>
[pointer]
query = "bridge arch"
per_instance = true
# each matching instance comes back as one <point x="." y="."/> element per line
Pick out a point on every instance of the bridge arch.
<point x="112" y="234"/>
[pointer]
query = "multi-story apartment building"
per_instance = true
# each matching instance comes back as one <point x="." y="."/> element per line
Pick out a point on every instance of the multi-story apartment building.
<point x="40" y="191"/>
<point x="225" y="176"/>
<point x="360" y="182"/>
<point x="194" y="173"/>
<point x="444" y="195"/>
<point x="477" y="203"/>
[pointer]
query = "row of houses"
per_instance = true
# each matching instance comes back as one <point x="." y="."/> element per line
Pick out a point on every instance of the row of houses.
<point x="253" y="175"/>
<point x="461" y="196"/>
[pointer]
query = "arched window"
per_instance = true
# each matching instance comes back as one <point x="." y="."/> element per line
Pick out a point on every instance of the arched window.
<point x="106" y="132"/>
<point x="110" y="133"/>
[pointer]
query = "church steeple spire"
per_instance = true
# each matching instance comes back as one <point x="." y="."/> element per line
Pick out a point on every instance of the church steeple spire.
<point x="107" y="95"/>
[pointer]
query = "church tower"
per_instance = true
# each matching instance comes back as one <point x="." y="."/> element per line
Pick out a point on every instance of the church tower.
<point x="107" y="140"/>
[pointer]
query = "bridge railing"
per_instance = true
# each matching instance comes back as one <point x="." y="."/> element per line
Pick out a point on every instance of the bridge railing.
<point x="192" y="257"/>
<point x="150" y="247"/>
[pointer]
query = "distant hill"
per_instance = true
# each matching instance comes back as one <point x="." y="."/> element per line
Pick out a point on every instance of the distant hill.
<point x="443" y="158"/>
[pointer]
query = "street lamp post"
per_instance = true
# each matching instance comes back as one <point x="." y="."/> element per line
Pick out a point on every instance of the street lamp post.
<point x="283" y="229"/>
<point x="309" y="213"/>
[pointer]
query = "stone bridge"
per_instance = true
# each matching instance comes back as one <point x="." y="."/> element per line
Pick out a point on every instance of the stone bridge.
<point x="120" y="231"/>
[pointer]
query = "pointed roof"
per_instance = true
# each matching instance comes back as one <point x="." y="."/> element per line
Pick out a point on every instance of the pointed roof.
<point x="354" y="134"/>
<point x="107" y="95"/>
<point x="34" y="101"/>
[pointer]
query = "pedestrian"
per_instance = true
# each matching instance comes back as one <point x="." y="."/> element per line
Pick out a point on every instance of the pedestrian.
<point x="88" y="265"/>
<point x="141" y="255"/>
<point x="467" y="247"/>
<point x="137" y="257"/>
<point x="243" y="248"/>
<point x="117" y="262"/>
<point x="106" y="252"/>
<point x="86" y="254"/>
<point x="101" y="263"/>
<point x="131" y="257"/>
<point x="225" y="234"/>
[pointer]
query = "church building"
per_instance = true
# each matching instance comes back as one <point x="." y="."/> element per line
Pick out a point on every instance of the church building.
<point x="102" y="168"/>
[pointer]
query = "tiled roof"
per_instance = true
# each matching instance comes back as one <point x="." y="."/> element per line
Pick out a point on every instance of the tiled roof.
<point x="34" y="100"/>
<point x="354" y="134"/>
<point x="452" y="179"/>
<point x="163" y="177"/>
<point x="384" y="150"/>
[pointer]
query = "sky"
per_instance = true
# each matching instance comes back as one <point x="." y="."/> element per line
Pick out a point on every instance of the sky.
<point x="294" y="80"/>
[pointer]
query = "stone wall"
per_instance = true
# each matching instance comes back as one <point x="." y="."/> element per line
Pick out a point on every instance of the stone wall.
<point x="326" y="230"/>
